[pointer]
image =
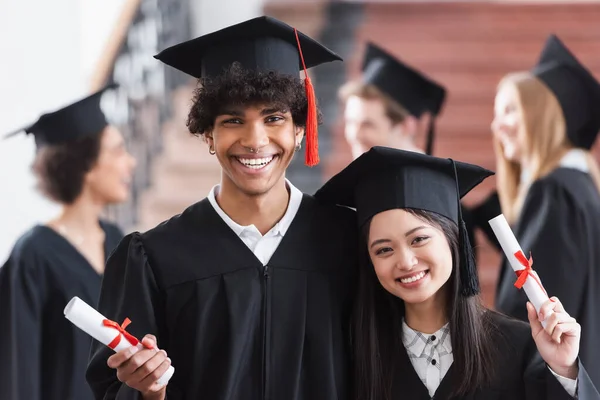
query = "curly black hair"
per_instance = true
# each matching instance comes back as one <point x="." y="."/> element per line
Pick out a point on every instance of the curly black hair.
<point x="237" y="86"/>
<point x="60" y="169"/>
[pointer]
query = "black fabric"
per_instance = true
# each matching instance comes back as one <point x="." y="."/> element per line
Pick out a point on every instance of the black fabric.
<point x="259" y="44"/>
<point x="43" y="355"/>
<point x="233" y="328"/>
<point x="482" y="213"/>
<point x="78" y="120"/>
<point x="559" y="226"/>
<point x="576" y="89"/>
<point x="384" y="178"/>
<point x="519" y="372"/>
<point x="404" y="84"/>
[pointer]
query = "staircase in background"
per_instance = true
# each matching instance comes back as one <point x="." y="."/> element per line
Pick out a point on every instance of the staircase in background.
<point x="183" y="173"/>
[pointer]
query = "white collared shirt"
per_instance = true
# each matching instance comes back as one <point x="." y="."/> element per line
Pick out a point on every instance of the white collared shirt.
<point x="263" y="247"/>
<point x="431" y="357"/>
<point x="574" y="159"/>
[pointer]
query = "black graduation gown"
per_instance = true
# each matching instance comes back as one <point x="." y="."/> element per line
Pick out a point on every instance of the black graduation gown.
<point x="483" y="212"/>
<point x="42" y="354"/>
<point x="560" y="225"/>
<point x="478" y="217"/>
<point x="234" y="329"/>
<point x="520" y="372"/>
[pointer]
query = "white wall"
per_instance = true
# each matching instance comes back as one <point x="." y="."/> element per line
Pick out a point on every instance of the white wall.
<point x="212" y="15"/>
<point x="48" y="49"/>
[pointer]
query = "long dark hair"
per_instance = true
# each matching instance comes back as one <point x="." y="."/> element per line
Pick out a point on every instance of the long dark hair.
<point x="377" y="326"/>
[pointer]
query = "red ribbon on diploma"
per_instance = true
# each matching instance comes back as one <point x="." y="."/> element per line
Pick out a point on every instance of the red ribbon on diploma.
<point x="121" y="328"/>
<point x="523" y="274"/>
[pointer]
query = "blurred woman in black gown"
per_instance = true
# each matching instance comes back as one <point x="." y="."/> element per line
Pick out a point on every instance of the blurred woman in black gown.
<point x="82" y="164"/>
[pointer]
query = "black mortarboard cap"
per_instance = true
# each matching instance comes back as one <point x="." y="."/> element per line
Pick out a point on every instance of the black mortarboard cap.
<point x="77" y="120"/>
<point x="261" y="44"/>
<point x="405" y="85"/>
<point x="576" y="89"/>
<point x="384" y="178"/>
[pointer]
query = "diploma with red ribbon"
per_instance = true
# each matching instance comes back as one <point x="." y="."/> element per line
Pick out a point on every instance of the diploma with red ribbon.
<point x="526" y="278"/>
<point x="107" y="332"/>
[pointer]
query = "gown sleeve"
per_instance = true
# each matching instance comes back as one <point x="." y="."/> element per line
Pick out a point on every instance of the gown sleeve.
<point x="22" y="294"/>
<point x="554" y="231"/>
<point x="542" y="384"/>
<point x="129" y="290"/>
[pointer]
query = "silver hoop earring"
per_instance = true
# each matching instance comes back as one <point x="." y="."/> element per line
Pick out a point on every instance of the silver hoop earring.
<point x="211" y="151"/>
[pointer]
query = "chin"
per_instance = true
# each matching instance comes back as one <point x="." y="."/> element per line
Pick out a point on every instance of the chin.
<point x="116" y="198"/>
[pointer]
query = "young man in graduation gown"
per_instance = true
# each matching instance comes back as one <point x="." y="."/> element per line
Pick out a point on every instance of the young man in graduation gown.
<point x="247" y="292"/>
<point x="559" y="219"/>
<point x="390" y="105"/>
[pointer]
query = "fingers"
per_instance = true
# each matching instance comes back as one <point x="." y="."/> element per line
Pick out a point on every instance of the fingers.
<point x="536" y="325"/>
<point x="126" y="370"/>
<point x="148" y="369"/>
<point x="549" y="306"/>
<point x="565" y="329"/>
<point x="149" y="342"/>
<point x="117" y="359"/>
<point x="561" y="323"/>
<point x="151" y="379"/>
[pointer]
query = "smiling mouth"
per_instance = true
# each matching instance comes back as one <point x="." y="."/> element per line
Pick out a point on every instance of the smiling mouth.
<point x="255" y="163"/>
<point x="413" y="278"/>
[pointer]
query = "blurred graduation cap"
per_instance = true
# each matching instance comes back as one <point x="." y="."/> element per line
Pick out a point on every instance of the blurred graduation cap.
<point x="260" y="44"/>
<point x="384" y="178"/>
<point x="576" y="89"/>
<point x="77" y="120"/>
<point x="405" y="85"/>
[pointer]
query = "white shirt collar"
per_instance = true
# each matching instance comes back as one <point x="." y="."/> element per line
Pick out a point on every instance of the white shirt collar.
<point x="279" y="229"/>
<point x="416" y="342"/>
<point x="574" y="159"/>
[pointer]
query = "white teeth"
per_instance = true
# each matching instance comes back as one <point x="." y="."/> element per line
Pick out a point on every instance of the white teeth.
<point x="413" y="278"/>
<point x="256" y="163"/>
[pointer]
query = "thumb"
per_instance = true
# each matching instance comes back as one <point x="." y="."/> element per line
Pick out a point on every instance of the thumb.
<point x="536" y="325"/>
<point x="149" y="342"/>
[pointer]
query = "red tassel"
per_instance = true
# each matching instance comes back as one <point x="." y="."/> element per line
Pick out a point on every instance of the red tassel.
<point x="312" y="124"/>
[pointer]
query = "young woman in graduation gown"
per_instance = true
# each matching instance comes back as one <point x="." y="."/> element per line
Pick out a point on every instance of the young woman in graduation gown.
<point x="81" y="163"/>
<point x="247" y="292"/>
<point x="546" y="121"/>
<point x="419" y="329"/>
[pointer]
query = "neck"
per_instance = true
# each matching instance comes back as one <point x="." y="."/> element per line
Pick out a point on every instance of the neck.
<point x="82" y="215"/>
<point x="429" y="316"/>
<point x="262" y="211"/>
<point x="408" y="144"/>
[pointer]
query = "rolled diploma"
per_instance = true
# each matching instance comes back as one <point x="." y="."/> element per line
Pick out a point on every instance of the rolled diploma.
<point x="510" y="246"/>
<point x="90" y="321"/>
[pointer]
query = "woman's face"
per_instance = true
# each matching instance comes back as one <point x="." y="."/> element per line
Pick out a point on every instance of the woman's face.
<point x="110" y="178"/>
<point x="412" y="258"/>
<point x="507" y="126"/>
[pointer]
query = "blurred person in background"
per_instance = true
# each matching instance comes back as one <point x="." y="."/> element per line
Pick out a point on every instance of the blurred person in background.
<point x="546" y="121"/>
<point x="82" y="164"/>
<point x="392" y="104"/>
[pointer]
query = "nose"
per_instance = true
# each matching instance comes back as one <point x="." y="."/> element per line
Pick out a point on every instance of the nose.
<point x="255" y="137"/>
<point x="406" y="259"/>
<point x="132" y="161"/>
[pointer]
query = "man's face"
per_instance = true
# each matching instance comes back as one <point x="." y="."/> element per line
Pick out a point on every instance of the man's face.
<point x="366" y="124"/>
<point x="254" y="146"/>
